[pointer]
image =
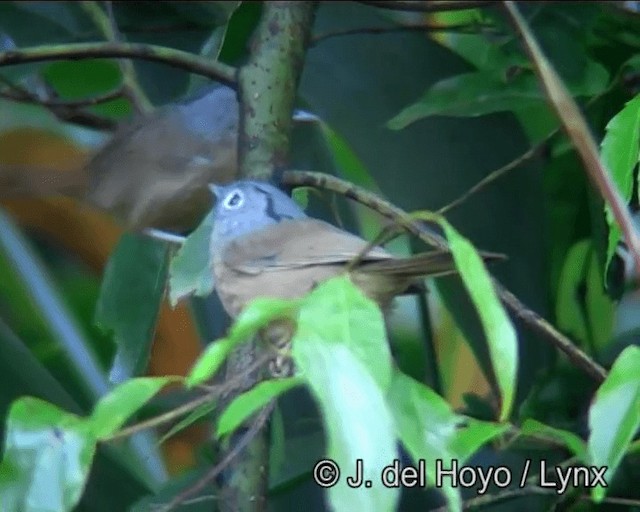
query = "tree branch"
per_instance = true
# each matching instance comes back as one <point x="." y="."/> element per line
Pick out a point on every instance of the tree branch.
<point x="267" y="86"/>
<point x="578" y="131"/>
<point x="67" y="111"/>
<point x="431" y="6"/>
<point x="106" y="23"/>
<point x="74" y="51"/>
<point x="419" y="229"/>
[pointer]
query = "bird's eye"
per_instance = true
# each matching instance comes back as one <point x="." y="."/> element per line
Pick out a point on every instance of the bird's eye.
<point x="234" y="200"/>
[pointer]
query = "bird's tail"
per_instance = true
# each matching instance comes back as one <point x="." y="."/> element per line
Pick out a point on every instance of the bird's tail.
<point x="434" y="263"/>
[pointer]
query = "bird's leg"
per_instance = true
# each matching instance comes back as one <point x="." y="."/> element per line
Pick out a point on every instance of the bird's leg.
<point x="277" y="336"/>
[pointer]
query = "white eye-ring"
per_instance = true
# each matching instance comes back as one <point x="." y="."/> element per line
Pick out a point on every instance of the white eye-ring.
<point x="233" y="200"/>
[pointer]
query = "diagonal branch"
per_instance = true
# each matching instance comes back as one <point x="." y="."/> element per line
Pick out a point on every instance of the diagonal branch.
<point x="106" y="23"/>
<point x="579" y="133"/>
<point x="419" y="229"/>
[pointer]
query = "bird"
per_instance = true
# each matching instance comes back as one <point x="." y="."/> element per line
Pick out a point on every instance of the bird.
<point x="264" y="245"/>
<point x="155" y="170"/>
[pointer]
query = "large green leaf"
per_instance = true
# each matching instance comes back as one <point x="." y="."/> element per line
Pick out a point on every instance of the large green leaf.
<point x="190" y="270"/>
<point x="534" y="428"/>
<point x="425" y="425"/>
<point x="488" y="91"/>
<point x="583" y="309"/>
<point x="47" y="456"/>
<point x="433" y="433"/>
<point x="113" y="409"/>
<point x="614" y="416"/>
<point x="86" y="78"/>
<point x="620" y="151"/>
<point x="340" y="350"/>
<point x="348" y="318"/>
<point x="132" y="291"/>
<point x="498" y="329"/>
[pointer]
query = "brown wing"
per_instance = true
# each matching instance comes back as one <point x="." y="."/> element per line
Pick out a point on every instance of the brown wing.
<point x="296" y="244"/>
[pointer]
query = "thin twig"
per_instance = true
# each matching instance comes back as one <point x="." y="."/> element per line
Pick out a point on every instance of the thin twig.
<point x="106" y="23"/>
<point x="530" y="154"/>
<point x="171" y="56"/>
<point x="213" y="392"/>
<point x="256" y="426"/>
<point x="419" y="229"/>
<point x="430" y="6"/>
<point x="462" y="28"/>
<point x="578" y="131"/>
<point x="70" y="112"/>
<point x="498" y="173"/>
<point x="16" y="93"/>
<point x="156" y="421"/>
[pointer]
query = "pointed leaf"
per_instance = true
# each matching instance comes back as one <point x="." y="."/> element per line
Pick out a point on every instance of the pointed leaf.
<point x="251" y="401"/>
<point x="130" y="297"/>
<point x="340" y="350"/>
<point x="620" y="150"/>
<point x="567" y="438"/>
<point x="500" y="333"/>
<point x="190" y="271"/>
<point x="614" y="416"/>
<point x="115" y="408"/>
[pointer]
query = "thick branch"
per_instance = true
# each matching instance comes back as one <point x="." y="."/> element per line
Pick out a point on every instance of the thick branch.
<point x="176" y="58"/>
<point x="267" y="87"/>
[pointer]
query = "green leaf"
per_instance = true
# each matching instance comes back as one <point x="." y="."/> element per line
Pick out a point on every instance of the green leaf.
<point x="620" y="150"/>
<point x="86" y="78"/>
<point x="239" y="28"/>
<point x="194" y="416"/>
<point x="509" y="87"/>
<point x="115" y="408"/>
<point x="425" y="424"/>
<point x="190" y="270"/>
<point x="82" y="78"/>
<point x="570" y="311"/>
<point x="432" y="432"/>
<point x="251" y="401"/>
<point x="255" y="316"/>
<point x="601" y="310"/>
<point x="345" y="361"/>
<point x="475" y="434"/>
<point x="357" y="422"/>
<point x="129" y="303"/>
<point x="211" y="359"/>
<point x="349" y="318"/>
<point x="614" y="416"/>
<point x="47" y="457"/>
<point x="301" y="196"/>
<point x="500" y="333"/>
<point x="472" y="94"/>
<point x="534" y="428"/>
